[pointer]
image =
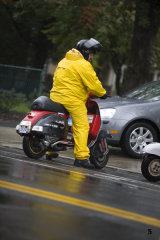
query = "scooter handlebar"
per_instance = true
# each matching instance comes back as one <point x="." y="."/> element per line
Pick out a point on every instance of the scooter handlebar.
<point x="105" y="96"/>
<point x="92" y="96"/>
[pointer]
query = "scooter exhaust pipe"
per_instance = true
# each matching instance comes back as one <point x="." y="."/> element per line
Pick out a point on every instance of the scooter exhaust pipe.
<point x="59" y="146"/>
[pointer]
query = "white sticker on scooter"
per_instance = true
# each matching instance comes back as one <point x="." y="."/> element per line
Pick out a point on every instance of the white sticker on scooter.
<point x="90" y="118"/>
<point x="37" y="128"/>
<point x="69" y="121"/>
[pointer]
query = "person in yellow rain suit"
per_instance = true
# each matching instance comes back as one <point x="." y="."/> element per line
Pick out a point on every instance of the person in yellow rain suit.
<point x="73" y="80"/>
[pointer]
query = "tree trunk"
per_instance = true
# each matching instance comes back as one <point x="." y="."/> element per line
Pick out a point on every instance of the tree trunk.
<point x="117" y="65"/>
<point x="43" y="49"/>
<point x="145" y="30"/>
<point x="118" y="77"/>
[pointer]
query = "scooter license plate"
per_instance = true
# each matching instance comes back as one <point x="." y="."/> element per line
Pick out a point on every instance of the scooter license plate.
<point x="24" y="127"/>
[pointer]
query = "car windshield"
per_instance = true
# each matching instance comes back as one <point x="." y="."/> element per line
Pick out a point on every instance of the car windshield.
<point x="150" y="91"/>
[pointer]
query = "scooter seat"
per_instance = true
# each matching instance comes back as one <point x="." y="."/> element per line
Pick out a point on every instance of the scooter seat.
<point x="44" y="103"/>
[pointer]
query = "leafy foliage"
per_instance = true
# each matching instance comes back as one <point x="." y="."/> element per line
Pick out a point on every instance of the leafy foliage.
<point x="147" y="24"/>
<point x="156" y="54"/>
<point x="10" y="99"/>
<point x="40" y="29"/>
<point x="13" y="101"/>
<point x="69" y="26"/>
<point x="25" y="20"/>
<point x="111" y="22"/>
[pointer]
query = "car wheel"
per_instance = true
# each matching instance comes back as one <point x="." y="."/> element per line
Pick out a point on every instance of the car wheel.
<point x="137" y="136"/>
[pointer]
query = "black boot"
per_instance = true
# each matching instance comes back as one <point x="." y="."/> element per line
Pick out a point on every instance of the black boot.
<point x="49" y="157"/>
<point x="83" y="163"/>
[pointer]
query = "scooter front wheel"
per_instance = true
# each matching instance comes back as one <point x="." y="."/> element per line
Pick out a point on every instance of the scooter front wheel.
<point x="31" y="146"/>
<point x="150" y="167"/>
<point x="98" y="157"/>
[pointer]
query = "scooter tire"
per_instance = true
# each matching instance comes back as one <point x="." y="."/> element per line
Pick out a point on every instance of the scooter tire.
<point x="97" y="158"/>
<point x="149" y="167"/>
<point x="30" y="148"/>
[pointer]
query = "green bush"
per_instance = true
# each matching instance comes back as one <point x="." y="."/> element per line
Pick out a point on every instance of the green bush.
<point x="11" y="99"/>
<point x="21" y="108"/>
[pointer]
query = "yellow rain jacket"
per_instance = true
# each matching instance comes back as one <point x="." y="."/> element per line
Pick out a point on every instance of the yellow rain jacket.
<point x="73" y="80"/>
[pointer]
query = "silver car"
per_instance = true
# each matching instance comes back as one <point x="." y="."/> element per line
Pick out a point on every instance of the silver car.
<point x="133" y="120"/>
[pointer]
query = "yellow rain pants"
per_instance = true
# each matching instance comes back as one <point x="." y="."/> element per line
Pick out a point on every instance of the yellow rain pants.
<point x="78" y="113"/>
<point x="73" y="80"/>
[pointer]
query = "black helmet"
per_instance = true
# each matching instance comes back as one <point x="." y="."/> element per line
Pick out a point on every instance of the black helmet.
<point x="88" y="46"/>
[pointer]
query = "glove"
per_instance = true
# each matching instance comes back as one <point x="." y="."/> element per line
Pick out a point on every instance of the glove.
<point x="105" y="96"/>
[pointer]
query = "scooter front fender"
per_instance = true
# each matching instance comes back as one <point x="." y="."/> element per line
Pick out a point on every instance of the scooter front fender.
<point x="152" y="148"/>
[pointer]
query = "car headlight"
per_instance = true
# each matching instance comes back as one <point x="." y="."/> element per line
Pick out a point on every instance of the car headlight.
<point x="107" y="113"/>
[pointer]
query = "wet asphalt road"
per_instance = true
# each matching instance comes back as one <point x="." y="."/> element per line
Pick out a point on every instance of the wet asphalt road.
<point x="47" y="200"/>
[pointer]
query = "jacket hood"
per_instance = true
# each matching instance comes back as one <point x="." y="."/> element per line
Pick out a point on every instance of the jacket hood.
<point x="74" y="54"/>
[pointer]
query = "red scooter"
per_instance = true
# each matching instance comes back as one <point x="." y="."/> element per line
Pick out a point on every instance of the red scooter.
<point x="48" y="127"/>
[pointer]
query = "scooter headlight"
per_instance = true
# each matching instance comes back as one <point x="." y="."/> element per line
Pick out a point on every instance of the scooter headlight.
<point x="107" y="113"/>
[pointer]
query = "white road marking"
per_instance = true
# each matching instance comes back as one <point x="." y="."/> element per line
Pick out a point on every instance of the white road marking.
<point x="126" y="181"/>
<point x="64" y="156"/>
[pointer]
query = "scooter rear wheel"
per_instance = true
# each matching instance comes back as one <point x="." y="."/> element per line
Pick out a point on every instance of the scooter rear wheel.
<point x="31" y="147"/>
<point x="150" y="167"/>
<point x="98" y="158"/>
